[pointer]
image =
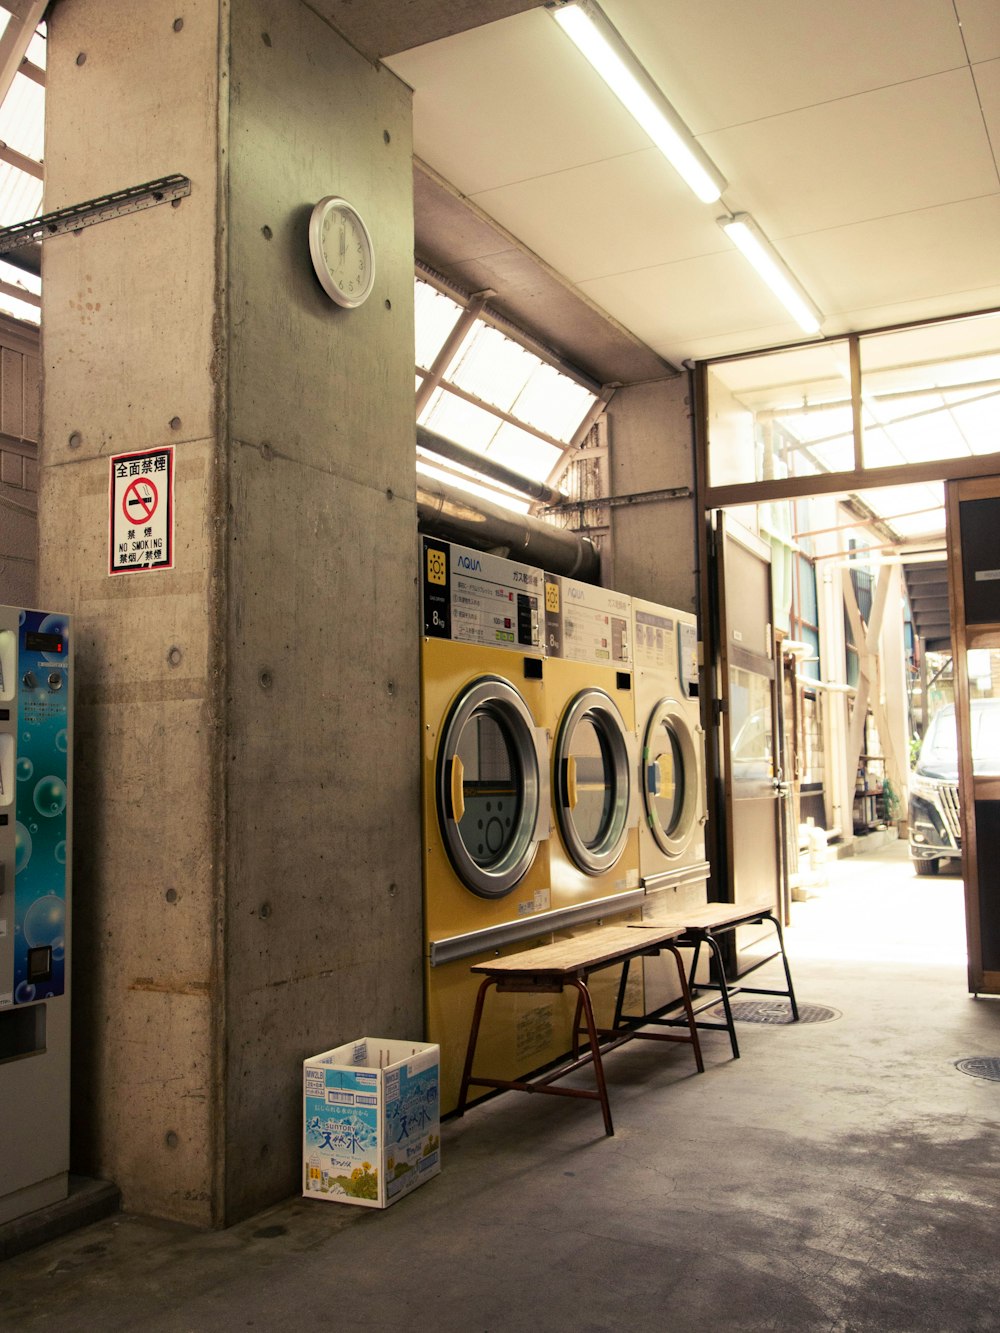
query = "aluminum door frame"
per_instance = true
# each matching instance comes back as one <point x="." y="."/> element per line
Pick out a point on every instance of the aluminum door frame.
<point x="975" y="591"/>
<point x="748" y="836"/>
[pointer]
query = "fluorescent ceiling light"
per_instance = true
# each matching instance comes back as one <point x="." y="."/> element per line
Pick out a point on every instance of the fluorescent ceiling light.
<point x="754" y="245"/>
<point x="588" y="28"/>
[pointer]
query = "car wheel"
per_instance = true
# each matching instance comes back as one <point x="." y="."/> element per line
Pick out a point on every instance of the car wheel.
<point x="927" y="867"/>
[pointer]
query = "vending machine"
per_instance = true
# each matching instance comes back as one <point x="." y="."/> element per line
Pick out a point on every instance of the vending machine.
<point x="36" y="747"/>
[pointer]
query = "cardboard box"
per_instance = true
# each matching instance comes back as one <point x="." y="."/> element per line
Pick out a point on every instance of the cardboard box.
<point x="372" y="1121"/>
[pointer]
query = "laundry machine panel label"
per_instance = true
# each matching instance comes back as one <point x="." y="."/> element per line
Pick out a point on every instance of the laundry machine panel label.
<point x="654" y="640"/>
<point x="473" y="597"/>
<point x="588" y="624"/>
<point x="436" y="595"/>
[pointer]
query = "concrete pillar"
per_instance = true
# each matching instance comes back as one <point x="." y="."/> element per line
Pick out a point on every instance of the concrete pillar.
<point x="247" y="831"/>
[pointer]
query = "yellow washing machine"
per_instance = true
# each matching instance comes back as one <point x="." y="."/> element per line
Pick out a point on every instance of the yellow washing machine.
<point x="672" y="859"/>
<point x="485" y="793"/>
<point x="593" y="852"/>
<point x="590" y="716"/>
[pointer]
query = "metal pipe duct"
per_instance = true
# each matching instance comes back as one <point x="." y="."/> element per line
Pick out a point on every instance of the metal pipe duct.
<point x="456" y="515"/>
<point x="457" y="453"/>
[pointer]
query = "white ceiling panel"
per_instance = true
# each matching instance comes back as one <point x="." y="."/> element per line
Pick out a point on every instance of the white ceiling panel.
<point x="980" y="21"/>
<point x="877" y="263"/>
<point x="596" y="238"/>
<point x="665" y="305"/>
<point x="911" y="146"/>
<point x="726" y="62"/>
<point x="859" y="136"/>
<point x="509" y="102"/>
<point x="987" y="78"/>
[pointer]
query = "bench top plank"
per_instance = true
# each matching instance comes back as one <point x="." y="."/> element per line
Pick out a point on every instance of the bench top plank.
<point x="710" y="916"/>
<point x="583" y="953"/>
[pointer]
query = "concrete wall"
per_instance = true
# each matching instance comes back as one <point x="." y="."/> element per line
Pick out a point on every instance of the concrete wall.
<point x="20" y="408"/>
<point x="128" y="313"/>
<point x="247" y="877"/>
<point x="323" y="926"/>
<point x="653" y="543"/>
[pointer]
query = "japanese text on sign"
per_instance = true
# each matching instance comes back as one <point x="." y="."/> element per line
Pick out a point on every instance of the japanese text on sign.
<point x="141" y="511"/>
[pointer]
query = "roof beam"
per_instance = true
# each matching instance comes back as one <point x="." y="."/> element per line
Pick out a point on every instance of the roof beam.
<point x="32" y="71"/>
<point x="15" y="41"/>
<point x="20" y="160"/>
<point x="20" y="293"/>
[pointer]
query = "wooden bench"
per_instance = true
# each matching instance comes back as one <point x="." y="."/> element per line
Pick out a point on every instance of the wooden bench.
<point x="569" y="963"/>
<point x="702" y="926"/>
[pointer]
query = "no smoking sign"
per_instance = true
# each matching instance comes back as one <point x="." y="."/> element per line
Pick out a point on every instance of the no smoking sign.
<point x="141" y="535"/>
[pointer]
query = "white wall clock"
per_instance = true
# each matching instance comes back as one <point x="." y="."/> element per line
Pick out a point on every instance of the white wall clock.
<point x="342" y="251"/>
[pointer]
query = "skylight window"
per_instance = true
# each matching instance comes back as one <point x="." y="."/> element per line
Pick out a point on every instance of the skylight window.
<point x="435" y="316"/>
<point x="515" y="503"/>
<point x="498" y="396"/>
<point x="461" y="421"/>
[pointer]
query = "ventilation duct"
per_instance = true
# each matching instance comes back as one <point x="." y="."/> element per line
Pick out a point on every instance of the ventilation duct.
<point x="455" y="515"/>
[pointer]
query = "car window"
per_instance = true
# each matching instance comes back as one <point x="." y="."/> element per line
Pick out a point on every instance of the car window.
<point x="941" y="743"/>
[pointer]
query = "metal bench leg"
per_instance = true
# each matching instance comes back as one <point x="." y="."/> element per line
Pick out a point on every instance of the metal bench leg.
<point x="686" y="997"/>
<point x="470" y="1051"/>
<point x="576" y="1026"/>
<point x="620" y="1003"/>
<point x="694" y="964"/>
<point x="595" y="1048"/>
<point x="784" y="962"/>
<point x="713" y="944"/>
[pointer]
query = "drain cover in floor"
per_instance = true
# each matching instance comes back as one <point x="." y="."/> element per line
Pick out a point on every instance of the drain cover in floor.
<point x="981" y="1066"/>
<point x="775" y="1011"/>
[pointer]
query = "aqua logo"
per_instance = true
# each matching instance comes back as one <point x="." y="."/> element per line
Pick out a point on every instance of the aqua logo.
<point x="473" y="565"/>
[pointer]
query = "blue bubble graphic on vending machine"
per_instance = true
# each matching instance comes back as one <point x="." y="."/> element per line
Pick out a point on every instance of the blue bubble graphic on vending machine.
<point x="40" y="918"/>
<point x="45" y="923"/>
<point x="22" y="847"/>
<point x="50" y="796"/>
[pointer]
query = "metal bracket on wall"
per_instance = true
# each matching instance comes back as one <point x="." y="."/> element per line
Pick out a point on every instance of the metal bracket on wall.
<point x="621" y="501"/>
<point x="168" y="189"/>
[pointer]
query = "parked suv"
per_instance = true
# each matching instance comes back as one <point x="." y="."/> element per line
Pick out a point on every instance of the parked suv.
<point x="935" y="825"/>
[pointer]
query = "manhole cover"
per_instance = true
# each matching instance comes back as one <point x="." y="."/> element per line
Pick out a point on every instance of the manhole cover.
<point x="775" y="1011"/>
<point x="981" y="1066"/>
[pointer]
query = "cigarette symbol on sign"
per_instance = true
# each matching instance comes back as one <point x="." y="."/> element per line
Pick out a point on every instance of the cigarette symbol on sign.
<point x="139" y="503"/>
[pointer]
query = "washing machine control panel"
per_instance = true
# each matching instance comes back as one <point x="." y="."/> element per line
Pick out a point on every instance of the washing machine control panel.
<point x="584" y="623"/>
<point x="473" y="597"/>
<point x="654" y="640"/>
<point x="687" y="658"/>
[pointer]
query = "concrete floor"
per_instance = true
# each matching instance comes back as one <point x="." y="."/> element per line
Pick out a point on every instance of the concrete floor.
<point x="840" y="1176"/>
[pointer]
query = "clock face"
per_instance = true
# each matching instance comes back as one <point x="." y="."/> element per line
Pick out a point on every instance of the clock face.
<point x="342" y="251"/>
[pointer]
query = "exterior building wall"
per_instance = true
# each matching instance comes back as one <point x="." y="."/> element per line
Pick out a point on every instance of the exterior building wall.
<point x="20" y="407"/>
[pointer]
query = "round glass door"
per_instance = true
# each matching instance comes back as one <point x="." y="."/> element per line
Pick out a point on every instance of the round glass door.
<point x="670" y="778"/>
<point x="488" y="787"/>
<point x="593" y="782"/>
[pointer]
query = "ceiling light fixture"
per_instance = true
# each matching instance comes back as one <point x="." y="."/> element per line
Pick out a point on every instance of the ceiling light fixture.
<point x="758" y="250"/>
<point x="601" y="44"/>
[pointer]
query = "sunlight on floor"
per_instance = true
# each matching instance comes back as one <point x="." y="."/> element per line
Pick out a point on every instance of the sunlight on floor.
<point x="874" y="907"/>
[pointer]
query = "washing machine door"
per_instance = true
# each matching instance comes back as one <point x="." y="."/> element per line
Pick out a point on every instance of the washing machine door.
<point x="492" y="787"/>
<point x="670" y="777"/>
<point x="593" y="781"/>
